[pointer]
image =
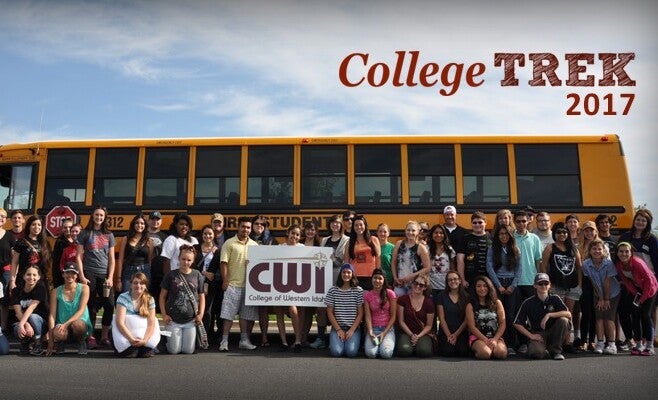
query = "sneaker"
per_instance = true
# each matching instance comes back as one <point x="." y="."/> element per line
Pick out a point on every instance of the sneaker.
<point x="624" y="346"/>
<point x="610" y="349"/>
<point x="25" y="347"/>
<point x="297" y="348"/>
<point x="510" y="351"/>
<point x="283" y="347"/>
<point x="245" y="344"/>
<point x="637" y="349"/>
<point x="598" y="348"/>
<point x="37" y="350"/>
<point x="82" y="348"/>
<point x="223" y="345"/>
<point x="60" y="348"/>
<point x="649" y="351"/>
<point x="523" y="349"/>
<point x="106" y="343"/>
<point x="319" y="343"/>
<point x="558" y="356"/>
<point x="91" y="343"/>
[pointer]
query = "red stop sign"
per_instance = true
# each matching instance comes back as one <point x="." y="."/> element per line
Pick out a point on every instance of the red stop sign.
<point x="54" y="219"/>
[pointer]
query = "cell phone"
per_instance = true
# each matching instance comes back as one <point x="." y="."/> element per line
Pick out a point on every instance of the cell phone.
<point x="636" y="300"/>
<point x="376" y="340"/>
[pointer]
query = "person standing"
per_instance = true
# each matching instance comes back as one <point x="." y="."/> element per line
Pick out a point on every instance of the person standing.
<point x="7" y="242"/>
<point x="157" y="261"/>
<point x="221" y="234"/>
<point x="32" y="249"/>
<point x="386" y="251"/>
<point x="95" y="259"/>
<point x="530" y="253"/>
<point x="455" y="232"/>
<point x="362" y="251"/>
<point x="261" y="234"/>
<point x="180" y="233"/>
<point x="543" y="230"/>
<point x="472" y="253"/>
<point x="18" y="224"/>
<point x="410" y="259"/>
<point x="345" y="313"/>
<point x="233" y="267"/>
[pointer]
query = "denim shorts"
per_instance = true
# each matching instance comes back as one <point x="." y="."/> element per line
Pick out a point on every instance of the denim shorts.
<point x="571" y="294"/>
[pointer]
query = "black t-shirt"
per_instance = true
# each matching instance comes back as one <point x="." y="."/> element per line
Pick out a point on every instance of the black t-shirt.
<point x="6" y="244"/>
<point x="456" y="237"/>
<point x="40" y="293"/>
<point x="178" y="304"/>
<point x="475" y="250"/>
<point x="533" y="309"/>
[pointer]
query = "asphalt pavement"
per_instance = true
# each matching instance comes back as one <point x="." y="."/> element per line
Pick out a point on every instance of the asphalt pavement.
<point x="266" y="373"/>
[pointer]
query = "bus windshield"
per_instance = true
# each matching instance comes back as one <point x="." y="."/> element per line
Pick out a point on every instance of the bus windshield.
<point x="16" y="188"/>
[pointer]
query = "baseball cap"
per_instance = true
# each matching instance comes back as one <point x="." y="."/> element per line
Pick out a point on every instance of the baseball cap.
<point x="155" y="215"/>
<point x="217" y="217"/>
<point x="589" y="224"/>
<point x="542" y="277"/>
<point x="450" y="209"/>
<point x="347" y="266"/>
<point x="70" y="267"/>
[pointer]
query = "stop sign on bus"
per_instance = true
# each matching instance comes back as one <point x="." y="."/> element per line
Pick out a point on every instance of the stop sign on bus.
<point x="55" y="217"/>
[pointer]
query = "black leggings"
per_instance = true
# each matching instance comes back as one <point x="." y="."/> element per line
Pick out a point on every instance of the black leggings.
<point x="96" y="299"/>
<point x="637" y="322"/>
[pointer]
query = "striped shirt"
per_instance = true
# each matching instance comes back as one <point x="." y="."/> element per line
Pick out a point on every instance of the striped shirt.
<point x="346" y="304"/>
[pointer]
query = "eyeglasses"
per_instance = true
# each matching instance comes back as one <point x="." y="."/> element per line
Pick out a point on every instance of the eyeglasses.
<point x="419" y="284"/>
<point x="542" y="283"/>
<point x="453" y="279"/>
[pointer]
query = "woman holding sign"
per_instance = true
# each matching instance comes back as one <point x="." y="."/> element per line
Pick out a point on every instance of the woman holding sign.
<point x="293" y="235"/>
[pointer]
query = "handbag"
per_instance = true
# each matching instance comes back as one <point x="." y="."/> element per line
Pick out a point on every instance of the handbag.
<point x="201" y="334"/>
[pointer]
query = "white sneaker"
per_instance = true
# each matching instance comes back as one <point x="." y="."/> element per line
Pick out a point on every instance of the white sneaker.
<point x="610" y="349"/>
<point x="523" y="349"/>
<point x="223" y="345"/>
<point x="599" y="348"/>
<point x="245" y="344"/>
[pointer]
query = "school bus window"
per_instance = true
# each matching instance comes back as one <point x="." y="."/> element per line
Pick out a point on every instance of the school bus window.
<point x="486" y="176"/>
<point x="217" y="175"/>
<point x="66" y="177"/>
<point x="270" y="175"/>
<point x="165" y="177"/>
<point x="17" y="186"/>
<point x="431" y="173"/>
<point x="115" y="180"/>
<point x="324" y="171"/>
<point x="548" y="174"/>
<point x="377" y="174"/>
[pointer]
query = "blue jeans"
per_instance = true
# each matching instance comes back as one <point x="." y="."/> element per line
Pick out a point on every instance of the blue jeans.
<point x="183" y="337"/>
<point x="36" y="321"/>
<point x="385" y="347"/>
<point x="350" y="347"/>
<point x="129" y="271"/>
<point x="4" y="345"/>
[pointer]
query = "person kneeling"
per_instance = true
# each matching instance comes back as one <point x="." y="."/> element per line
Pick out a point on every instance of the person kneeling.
<point x="548" y="319"/>
<point x="135" y="328"/>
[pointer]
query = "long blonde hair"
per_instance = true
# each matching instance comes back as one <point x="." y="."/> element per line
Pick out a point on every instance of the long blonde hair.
<point x="145" y="298"/>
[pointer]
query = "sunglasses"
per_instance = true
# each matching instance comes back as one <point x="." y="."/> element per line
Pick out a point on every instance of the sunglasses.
<point x="542" y="283"/>
<point x="419" y="284"/>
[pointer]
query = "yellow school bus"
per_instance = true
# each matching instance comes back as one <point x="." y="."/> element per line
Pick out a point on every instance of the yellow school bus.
<point x="389" y="179"/>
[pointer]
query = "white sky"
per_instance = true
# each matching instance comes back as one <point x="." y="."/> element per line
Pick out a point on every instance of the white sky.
<point x="108" y="69"/>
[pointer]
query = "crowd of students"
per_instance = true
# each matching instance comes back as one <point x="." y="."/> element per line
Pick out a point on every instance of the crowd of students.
<point x="536" y="288"/>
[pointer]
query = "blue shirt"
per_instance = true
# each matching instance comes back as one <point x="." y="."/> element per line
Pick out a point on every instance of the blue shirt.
<point x="598" y="276"/>
<point x="530" y="248"/>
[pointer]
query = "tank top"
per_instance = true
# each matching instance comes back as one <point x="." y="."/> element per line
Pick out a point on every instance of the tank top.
<point x="65" y="309"/>
<point x="136" y="255"/>
<point x="562" y="269"/>
<point x="364" y="261"/>
<point x="408" y="260"/>
<point x="486" y="320"/>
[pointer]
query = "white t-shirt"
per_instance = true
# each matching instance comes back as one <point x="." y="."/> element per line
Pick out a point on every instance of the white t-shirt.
<point x="171" y="248"/>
